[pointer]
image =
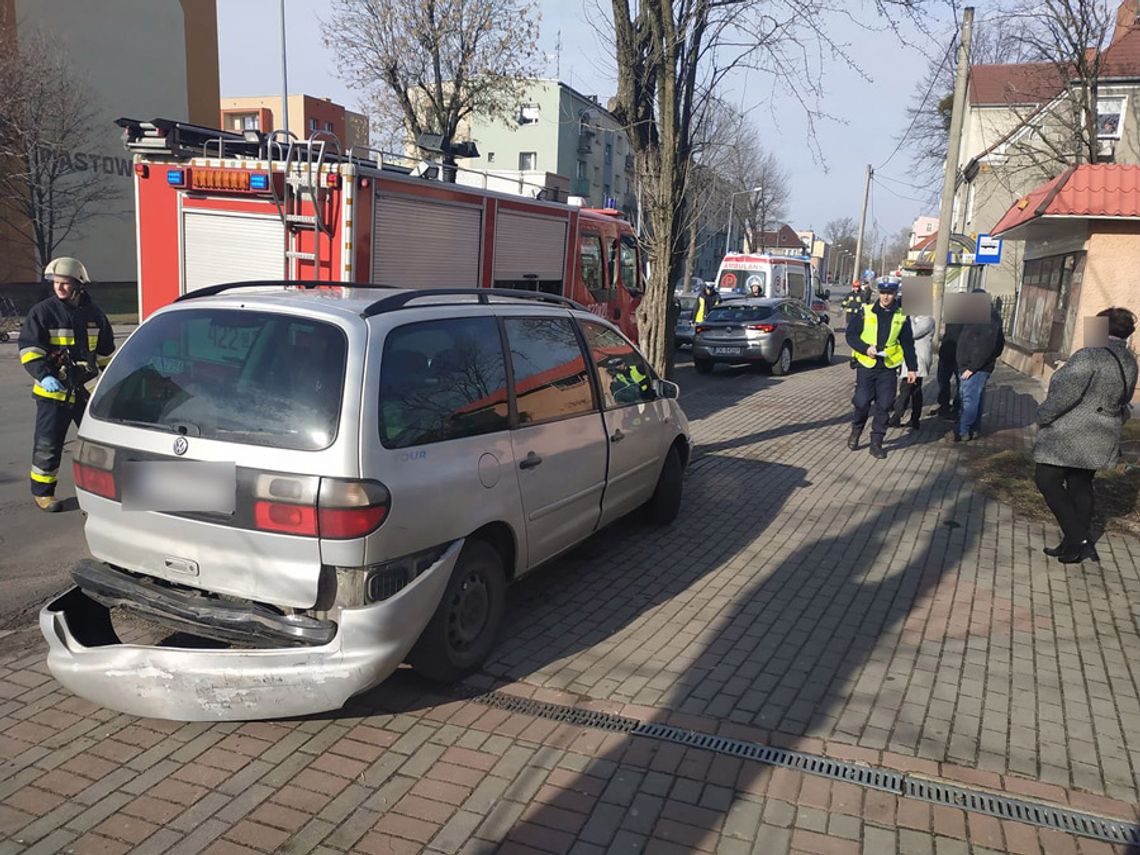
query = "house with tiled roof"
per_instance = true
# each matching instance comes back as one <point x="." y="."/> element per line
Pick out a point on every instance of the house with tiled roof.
<point x="1017" y="135"/>
<point x="1081" y="237"/>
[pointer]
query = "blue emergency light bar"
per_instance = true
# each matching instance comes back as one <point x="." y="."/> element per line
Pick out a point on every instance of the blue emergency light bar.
<point x="259" y="181"/>
<point x="176" y="177"/>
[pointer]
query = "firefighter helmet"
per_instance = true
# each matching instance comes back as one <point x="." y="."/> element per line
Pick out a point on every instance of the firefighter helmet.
<point x="65" y="266"/>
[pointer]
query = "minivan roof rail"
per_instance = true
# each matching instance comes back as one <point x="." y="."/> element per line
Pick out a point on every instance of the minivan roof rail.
<point x="307" y="284"/>
<point x="391" y="302"/>
<point x="483" y="295"/>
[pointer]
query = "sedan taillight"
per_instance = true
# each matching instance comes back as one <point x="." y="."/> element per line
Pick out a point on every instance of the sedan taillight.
<point x="761" y="327"/>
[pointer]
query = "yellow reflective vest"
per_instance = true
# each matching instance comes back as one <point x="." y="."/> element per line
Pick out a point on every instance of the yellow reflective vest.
<point x="893" y="352"/>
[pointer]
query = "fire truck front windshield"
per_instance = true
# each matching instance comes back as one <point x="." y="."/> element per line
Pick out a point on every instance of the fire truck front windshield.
<point x="255" y="377"/>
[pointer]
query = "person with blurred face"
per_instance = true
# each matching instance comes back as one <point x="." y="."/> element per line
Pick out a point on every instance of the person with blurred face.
<point x="64" y="342"/>
<point x="1078" y="432"/>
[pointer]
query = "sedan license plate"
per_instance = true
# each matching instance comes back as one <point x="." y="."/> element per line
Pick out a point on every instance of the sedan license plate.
<point x="179" y="487"/>
<point x="726" y="351"/>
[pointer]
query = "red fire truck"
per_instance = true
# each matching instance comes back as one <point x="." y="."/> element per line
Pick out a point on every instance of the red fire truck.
<point x="216" y="206"/>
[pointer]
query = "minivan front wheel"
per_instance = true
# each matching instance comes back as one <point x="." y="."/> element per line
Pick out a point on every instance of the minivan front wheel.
<point x="463" y="629"/>
<point x="665" y="503"/>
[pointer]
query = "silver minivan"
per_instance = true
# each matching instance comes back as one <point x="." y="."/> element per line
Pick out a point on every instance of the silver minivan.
<point x="310" y="486"/>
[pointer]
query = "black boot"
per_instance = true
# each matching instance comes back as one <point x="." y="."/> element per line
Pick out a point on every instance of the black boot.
<point x="1086" y="551"/>
<point x="877" y="449"/>
<point x="853" y="440"/>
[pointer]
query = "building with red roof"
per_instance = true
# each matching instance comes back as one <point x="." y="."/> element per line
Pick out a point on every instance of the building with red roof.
<point x="1081" y="238"/>
<point x="1018" y="135"/>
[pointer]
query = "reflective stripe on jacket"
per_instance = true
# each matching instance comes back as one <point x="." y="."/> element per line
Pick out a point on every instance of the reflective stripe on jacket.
<point x="893" y="353"/>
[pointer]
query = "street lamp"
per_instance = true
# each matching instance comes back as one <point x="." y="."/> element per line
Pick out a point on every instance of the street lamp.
<point x="731" y="199"/>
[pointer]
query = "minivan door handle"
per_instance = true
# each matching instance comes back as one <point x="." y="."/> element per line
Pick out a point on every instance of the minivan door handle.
<point x="530" y="461"/>
<point x="617" y="435"/>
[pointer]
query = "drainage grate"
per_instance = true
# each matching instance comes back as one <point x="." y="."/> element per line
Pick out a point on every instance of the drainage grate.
<point x="1017" y="810"/>
<point x="855" y="773"/>
<point x="558" y="712"/>
<point x="1032" y="813"/>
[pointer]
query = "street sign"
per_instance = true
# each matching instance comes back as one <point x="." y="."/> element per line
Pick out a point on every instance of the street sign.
<point x="989" y="250"/>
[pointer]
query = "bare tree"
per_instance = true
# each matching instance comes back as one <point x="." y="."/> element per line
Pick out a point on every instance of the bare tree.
<point x="430" y="64"/>
<point x="1067" y="36"/>
<point x="46" y="113"/>
<point x="1070" y="35"/>
<point x="670" y="52"/>
<point x="765" y="208"/>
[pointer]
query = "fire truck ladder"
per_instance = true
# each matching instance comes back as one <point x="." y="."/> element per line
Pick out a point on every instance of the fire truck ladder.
<point x="304" y="163"/>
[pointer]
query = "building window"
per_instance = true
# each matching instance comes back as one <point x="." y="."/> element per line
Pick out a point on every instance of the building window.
<point x="328" y="127"/>
<point x="528" y="161"/>
<point x="529" y="114"/>
<point x="1109" y="117"/>
<point x="490" y="157"/>
<point x="609" y="153"/>
<point x="581" y="173"/>
<point x="313" y="125"/>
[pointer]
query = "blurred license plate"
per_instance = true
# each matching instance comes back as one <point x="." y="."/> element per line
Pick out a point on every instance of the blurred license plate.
<point x="178" y="486"/>
<point x="726" y="351"/>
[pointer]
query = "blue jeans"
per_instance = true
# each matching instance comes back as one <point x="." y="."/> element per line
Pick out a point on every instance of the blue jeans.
<point x="972" y="394"/>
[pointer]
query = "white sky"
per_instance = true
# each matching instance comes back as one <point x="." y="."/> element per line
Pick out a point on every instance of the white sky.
<point x="873" y="111"/>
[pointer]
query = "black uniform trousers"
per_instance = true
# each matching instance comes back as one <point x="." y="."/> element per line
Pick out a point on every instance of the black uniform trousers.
<point x="874" y="386"/>
<point x="1068" y="492"/>
<point x="53" y="418"/>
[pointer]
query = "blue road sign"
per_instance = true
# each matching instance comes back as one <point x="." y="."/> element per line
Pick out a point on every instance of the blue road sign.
<point x="989" y="250"/>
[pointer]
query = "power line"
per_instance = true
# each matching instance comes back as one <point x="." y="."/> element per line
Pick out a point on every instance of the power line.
<point x="922" y="107"/>
<point x="895" y="193"/>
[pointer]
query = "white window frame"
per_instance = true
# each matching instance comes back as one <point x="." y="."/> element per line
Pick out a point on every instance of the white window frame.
<point x="529" y="114"/>
<point x="533" y="155"/>
<point x="1122" y="101"/>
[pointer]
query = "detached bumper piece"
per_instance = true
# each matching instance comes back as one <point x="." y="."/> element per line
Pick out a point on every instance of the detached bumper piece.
<point x="188" y="610"/>
<point x="195" y="684"/>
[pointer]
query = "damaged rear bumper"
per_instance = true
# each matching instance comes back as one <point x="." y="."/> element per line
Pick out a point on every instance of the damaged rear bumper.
<point x="188" y="684"/>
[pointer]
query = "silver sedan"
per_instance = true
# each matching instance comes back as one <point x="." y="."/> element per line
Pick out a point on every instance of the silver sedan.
<point x="764" y="331"/>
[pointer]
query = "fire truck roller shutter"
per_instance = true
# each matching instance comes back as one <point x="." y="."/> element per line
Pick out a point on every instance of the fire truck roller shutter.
<point x="530" y="248"/>
<point x="426" y="244"/>
<point x="220" y="247"/>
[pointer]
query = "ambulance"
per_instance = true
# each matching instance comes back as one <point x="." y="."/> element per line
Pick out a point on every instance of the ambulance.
<point x="777" y="275"/>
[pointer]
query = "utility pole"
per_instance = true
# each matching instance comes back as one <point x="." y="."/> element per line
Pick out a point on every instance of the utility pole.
<point x="858" y="271"/>
<point x="284" y="73"/>
<point x="950" y="177"/>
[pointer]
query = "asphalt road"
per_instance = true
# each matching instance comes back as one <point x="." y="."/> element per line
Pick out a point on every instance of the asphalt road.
<point x="36" y="549"/>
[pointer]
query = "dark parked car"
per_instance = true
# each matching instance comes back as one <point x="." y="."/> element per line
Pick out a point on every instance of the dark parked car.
<point x="765" y="331"/>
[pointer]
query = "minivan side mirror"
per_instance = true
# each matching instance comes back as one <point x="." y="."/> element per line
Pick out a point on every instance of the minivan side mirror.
<point x="666" y="389"/>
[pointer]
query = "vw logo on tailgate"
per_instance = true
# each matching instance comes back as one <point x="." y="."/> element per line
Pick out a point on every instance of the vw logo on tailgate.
<point x="180" y="446"/>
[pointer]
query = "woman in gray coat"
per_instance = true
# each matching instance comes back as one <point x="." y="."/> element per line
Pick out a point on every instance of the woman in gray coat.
<point x="910" y="394"/>
<point x="1079" y="431"/>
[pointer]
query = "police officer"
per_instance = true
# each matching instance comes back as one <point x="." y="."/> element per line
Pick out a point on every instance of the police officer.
<point x="64" y="343"/>
<point x="708" y="301"/>
<point x="882" y="340"/>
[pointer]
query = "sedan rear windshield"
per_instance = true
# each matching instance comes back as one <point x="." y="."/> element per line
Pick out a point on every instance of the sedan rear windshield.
<point x="740" y="314"/>
<point x="251" y="377"/>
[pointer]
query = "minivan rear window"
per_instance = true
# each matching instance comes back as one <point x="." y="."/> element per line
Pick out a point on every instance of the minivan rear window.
<point x="740" y="313"/>
<point x="252" y="377"/>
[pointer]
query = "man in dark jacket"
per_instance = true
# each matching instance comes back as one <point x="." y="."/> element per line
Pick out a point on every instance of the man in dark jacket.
<point x="979" y="346"/>
<point x="881" y="340"/>
<point x="948" y="403"/>
<point x="64" y="343"/>
<point x="708" y="301"/>
<point x="853" y="304"/>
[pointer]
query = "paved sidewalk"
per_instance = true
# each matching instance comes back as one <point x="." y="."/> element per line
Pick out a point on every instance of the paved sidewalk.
<point x="808" y="597"/>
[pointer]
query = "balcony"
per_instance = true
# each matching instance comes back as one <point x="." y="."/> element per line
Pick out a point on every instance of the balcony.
<point x="580" y="187"/>
<point x="584" y="144"/>
<point x="629" y="163"/>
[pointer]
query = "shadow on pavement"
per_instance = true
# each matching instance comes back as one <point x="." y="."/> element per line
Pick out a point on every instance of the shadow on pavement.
<point x="781" y="655"/>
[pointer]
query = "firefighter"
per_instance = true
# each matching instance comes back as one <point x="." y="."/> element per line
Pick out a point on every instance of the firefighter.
<point x="64" y="343"/>
<point x="882" y="341"/>
<point x="708" y="301"/>
<point x="853" y="304"/>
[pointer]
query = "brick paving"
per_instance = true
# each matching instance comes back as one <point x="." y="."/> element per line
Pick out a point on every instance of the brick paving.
<point x="808" y="597"/>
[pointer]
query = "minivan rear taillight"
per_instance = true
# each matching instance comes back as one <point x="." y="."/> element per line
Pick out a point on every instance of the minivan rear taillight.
<point x="335" y="508"/>
<point x="94" y="469"/>
<point x="348" y="509"/>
